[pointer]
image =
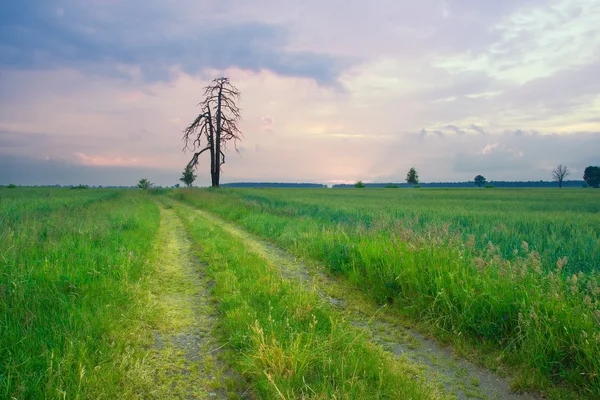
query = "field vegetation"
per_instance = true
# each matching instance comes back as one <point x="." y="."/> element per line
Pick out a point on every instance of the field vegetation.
<point x="510" y="277"/>
<point x="80" y="277"/>
<point x="283" y="339"/>
<point x="73" y="265"/>
<point x="515" y="271"/>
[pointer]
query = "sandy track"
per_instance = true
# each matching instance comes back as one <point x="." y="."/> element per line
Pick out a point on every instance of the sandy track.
<point x="185" y="355"/>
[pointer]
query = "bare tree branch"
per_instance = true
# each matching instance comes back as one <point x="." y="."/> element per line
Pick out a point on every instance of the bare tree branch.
<point x="194" y="160"/>
<point x="216" y="126"/>
<point x="560" y="173"/>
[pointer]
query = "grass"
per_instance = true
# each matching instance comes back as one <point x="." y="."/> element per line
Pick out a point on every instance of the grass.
<point x="512" y="270"/>
<point x="286" y="342"/>
<point x="72" y="292"/>
<point x="88" y="281"/>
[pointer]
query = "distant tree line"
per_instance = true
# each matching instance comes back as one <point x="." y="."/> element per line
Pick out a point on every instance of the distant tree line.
<point x="273" y="185"/>
<point x="591" y="177"/>
<point x="499" y="184"/>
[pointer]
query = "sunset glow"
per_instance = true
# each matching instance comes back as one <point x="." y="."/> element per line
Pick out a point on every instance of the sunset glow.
<point x="455" y="88"/>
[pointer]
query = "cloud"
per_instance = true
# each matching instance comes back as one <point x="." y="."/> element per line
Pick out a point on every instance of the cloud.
<point x="106" y="161"/>
<point x="536" y="41"/>
<point x="12" y="140"/>
<point x="268" y="124"/>
<point x="502" y="165"/>
<point x="529" y="156"/>
<point x="477" y="129"/>
<point x="102" y="37"/>
<point x="488" y="148"/>
<point x="32" y="171"/>
<point x="455" y="129"/>
<point x="106" y="85"/>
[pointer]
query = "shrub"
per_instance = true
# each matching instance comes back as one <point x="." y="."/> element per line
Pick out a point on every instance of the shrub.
<point x="80" y="187"/>
<point x="390" y="186"/>
<point x="144" y="184"/>
<point x="488" y="186"/>
<point x="12" y="186"/>
<point x="359" y="185"/>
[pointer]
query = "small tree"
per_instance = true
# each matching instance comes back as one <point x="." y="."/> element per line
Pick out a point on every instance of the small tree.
<point x="188" y="177"/>
<point x="359" y="185"/>
<point x="560" y="173"/>
<point x="412" y="177"/>
<point x="144" y="184"/>
<point x="591" y="176"/>
<point x="480" y="180"/>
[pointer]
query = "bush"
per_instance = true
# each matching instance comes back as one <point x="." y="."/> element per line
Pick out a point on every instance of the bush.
<point x="144" y="184"/>
<point x="489" y="186"/>
<point x="359" y="185"/>
<point x="585" y="185"/>
<point x="390" y="186"/>
<point x="11" y="186"/>
<point x="417" y="186"/>
<point x="80" y="187"/>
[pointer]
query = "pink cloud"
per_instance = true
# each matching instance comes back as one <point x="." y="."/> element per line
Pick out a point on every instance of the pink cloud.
<point x="132" y="96"/>
<point x="268" y="124"/>
<point x="104" y="161"/>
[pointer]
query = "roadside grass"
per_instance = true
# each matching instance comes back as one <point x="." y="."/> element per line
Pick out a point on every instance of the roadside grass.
<point x="287" y="343"/>
<point x="73" y="292"/>
<point x="541" y="320"/>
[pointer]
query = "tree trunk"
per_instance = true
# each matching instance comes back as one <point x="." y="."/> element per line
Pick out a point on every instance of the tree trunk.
<point x="212" y="149"/>
<point x="217" y="164"/>
<point x="212" y="164"/>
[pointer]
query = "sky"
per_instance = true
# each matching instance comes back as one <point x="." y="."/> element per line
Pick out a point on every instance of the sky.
<point x="99" y="91"/>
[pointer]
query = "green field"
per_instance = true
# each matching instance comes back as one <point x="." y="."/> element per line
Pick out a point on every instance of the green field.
<point x="511" y="270"/>
<point x="554" y="223"/>
<point x="73" y="265"/>
<point x="509" y="277"/>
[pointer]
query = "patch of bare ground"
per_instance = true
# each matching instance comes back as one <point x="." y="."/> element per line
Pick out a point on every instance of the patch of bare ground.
<point x="456" y="375"/>
<point x="187" y="353"/>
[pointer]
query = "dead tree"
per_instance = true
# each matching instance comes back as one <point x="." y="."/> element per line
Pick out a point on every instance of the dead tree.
<point x="560" y="173"/>
<point x="215" y="126"/>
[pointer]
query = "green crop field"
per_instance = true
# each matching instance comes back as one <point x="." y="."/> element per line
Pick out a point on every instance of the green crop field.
<point x="554" y="223"/>
<point x="508" y="278"/>
<point x="72" y="268"/>
<point x="512" y="270"/>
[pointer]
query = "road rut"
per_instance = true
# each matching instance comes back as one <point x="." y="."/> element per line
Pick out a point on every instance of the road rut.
<point x="185" y="354"/>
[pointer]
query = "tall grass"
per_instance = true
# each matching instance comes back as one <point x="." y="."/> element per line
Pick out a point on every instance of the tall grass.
<point x="554" y="223"/>
<point x="286" y="342"/>
<point x="71" y="270"/>
<point x="494" y="267"/>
